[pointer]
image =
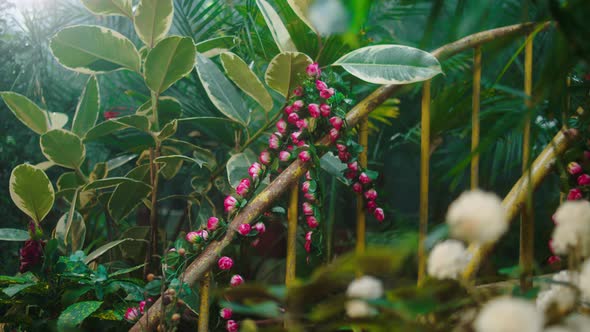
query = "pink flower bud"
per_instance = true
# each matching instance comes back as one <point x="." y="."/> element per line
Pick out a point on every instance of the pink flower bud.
<point x="255" y="170"/>
<point x="305" y="186"/>
<point x="212" y="223"/>
<point x="132" y="314"/>
<point x="325" y="110"/>
<point x="260" y="227"/>
<point x="371" y="194"/>
<point x="310" y="197"/>
<point x="244" y="229"/>
<point x="327" y="93"/>
<point x="320" y="85"/>
<point x="298" y="91"/>
<point x="255" y="243"/>
<point x="313" y="70"/>
<point x="293" y="118"/>
<point x="574" y="195"/>
<point x="192" y="237"/>
<point x="336" y="122"/>
<point x="203" y="234"/>
<point x="334" y="134"/>
<point x="308" y="241"/>
<point x="574" y="168"/>
<point x="364" y="178"/>
<point x="289" y="109"/>
<point x="232" y="326"/>
<point x="225" y="263"/>
<point x="344" y="156"/>
<point x="371" y="206"/>
<point x="353" y="166"/>
<point x="236" y="280"/>
<point x="307" y="209"/>
<point x="284" y="156"/>
<point x="304" y="156"/>
<point x="302" y="124"/>
<point x="351" y="175"/>
<point x="243" y="187"/>
<point x="379" y="215"/>
<point x="264" y="157"/>
<point x="273" y="140"/>
<point x="301" y="143"/>
<point x="341" y="147"/>
<point x="357" y="187"/>
<point x="550" y="245"/>
<point x="225" y="313"/>
<point x="583" y="180"/>
<point x="142" y="304"/>
<point x="297" y="105"/>
<point x="308" y="236"/>
<point x="308" y="176"/>
<point x="282" y="126"/>
<point x="230" y="204"/>
<point x="295" y="136"/>
<point x="312" y="222"/>
<point x="314" y="110"/>
<point x="553" y="260"/>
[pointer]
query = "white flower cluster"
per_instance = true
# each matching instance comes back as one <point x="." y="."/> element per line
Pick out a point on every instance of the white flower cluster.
<point x="477" y="217"/>
<point x="584" y="280"/>
<point x="573" y="323"/>
<point x="562" y="296"/>
<point x="505" y="314"/>
<point x="363" y="288"/>
<point x="573" y="228"/>
<point x="448" y="259"/>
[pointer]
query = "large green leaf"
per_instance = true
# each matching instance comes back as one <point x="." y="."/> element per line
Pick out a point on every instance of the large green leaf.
<point x="169" y="61"/>
<point x="92" y="49"/>
<point x="13" y="234"/>
<point x="237" y="167"/>
<point x="104" y="248"/>
<point x="107" y="183"/>
<point x="153" y="19"/>
<point x="239" y="72"/>
<point x="169" y="109"/>
<point x="75" y="314"/>
<point x="31" y="191"/>
<point x="63" y="148"/>
<point x="87" y="109"/>
<point x="215" y="46"/>
<point x="301" y="8"/>
<point x="390" y="64"/>
<point x="277" y="28"/>
<point x="126" y="197"/>
<point x="285" y="71"/>
<point x="109" y="7"/>
<point x="221" y="91"/>
<point x="57" y="120"/>
<point x="221" y="129"/>
<point x="140" y="122"/>
<point x="26" y="111"/>
<point x="71" y="236"/>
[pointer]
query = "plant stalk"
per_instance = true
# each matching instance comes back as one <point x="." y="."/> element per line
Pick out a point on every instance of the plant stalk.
<point x="361" y="217"/>
<point x="290" y="271"/>
<point x="424" y="181"/>
<point x="204" y="305"/>
<point x="475" y="117"/>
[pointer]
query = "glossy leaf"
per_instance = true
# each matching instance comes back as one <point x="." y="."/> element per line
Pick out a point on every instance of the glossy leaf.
<point x="26" y="111"/>
<point x="109" y="7"/>
<point x="301" y="8"/>
<point x="57" y="120"/>
<point x="140" y="122"/>
<point x="103" y="249"/>
<point x="239" y="72"/>
<point x="169" y="130"/>
<point x="237" y="167"/>
<point x="171" y="164"/>
<point x="13" y="234"/>
<point x="87" y="109"/>
<point x="31" y="191"/>
<point x="215" y="46"/>
<point x="107" y="183"/>
<point x="169" y="109"/>
<point x="71" y="236"/>
<point x="390" y="64"/>
<point x="285" y="71"/>
<point x="63" y="148"/>
<point x="126" y="197"/>
<point x="92" y="50"/>
<point x="169" y="61"/>
<point x="221" y="91"/>
<point x="153" y="19"/>
<point x="220" y="128"/>
<point x="75" y="314"/>
<point x="279" y="32"/>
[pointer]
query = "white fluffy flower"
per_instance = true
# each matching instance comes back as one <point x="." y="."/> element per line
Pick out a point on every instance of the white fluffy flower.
<point x="448" y="259"/>
<point x="573" y="227"/>
<point x="359" y="309"/>
<point x="584" y="281"/>
<point x="477" y="217"/>
<point x="559" y="295"/>
<point x="365" y="287"/>
<point x="509" y="315"/>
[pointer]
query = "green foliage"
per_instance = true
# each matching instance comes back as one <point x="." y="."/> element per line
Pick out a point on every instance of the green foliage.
<point x="31" y="191"/>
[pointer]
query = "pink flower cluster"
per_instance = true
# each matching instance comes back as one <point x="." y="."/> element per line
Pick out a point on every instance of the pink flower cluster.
<point x="361" y="181"/>
<point x="133" y="313"/>
<point x="582" y="180"/>
<point x="225" y="263"/>
<point x="230" y="324"/>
